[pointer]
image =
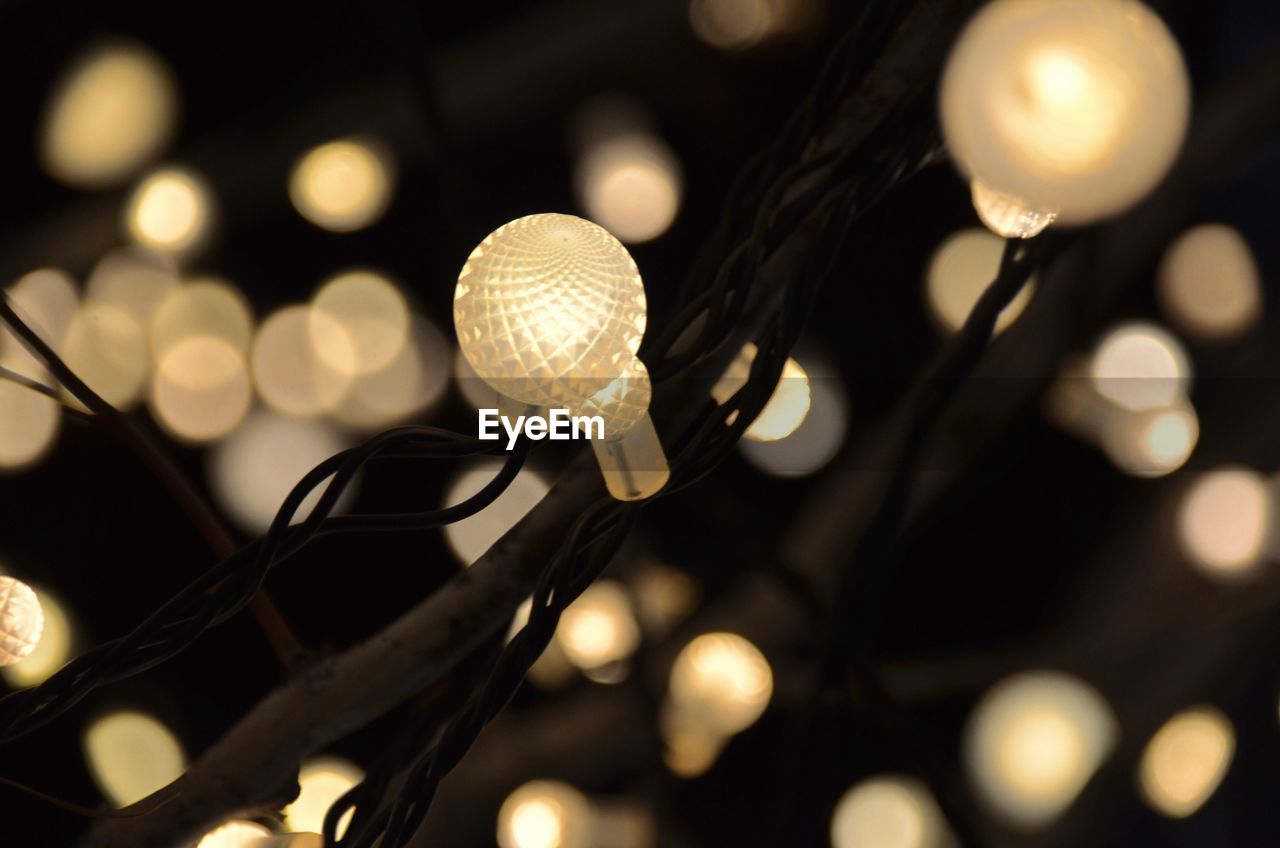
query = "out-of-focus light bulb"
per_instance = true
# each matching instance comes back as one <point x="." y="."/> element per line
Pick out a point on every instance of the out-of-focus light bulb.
<point x="343" y="185"/>
<point x="742" y="24"/>
<point x="170" y="211"/>
<point x="29" y="420"/>
<point x="1034" y="741"/>
<point x="253" y="469"/>
<point x="106" y="347"/>
<point x="51" y="651"/>
<point x="721" y="681"/>
<point x="201" y="390"/>
<point x="134" y="281"/>
<point x="1153" y="442"/>
<point x="113" y="111"/>
<point x="1208" y="283"/>
<point x="235" y="834"/>
<point x="292" y="372"/>
<point x="204" y="307"/>
<point x="631" y="185"/>
<point x="321" y="781"/>
<point x="471" y="537"/>
<point x="599" y="627"/>
<point x="1185" y="761"/>
<point x="1140" y="366"/>
<point x="815" y="442"/>
<point x="21" y="621"/>
<point x="1005" y="216"/>
<point x="46" y="299"/>
<point x="1073" y="106"/>
<point x="544" y="814"/>
<point x="550" y="310"/>
<point x="1225" y="521"/>
<point x="411" y="382"/>
<point x="787" y="407"/>
<point x="132" y="755"/>
<point x="888" y="812"/>
<point x="359" y="322"/>
<point x="959" y="273"/>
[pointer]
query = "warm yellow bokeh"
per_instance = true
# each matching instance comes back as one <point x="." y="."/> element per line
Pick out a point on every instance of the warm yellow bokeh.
<point x="133" y="280"/>
<point x="322" y="781"/>
<point x="171" y="211"/>
<point x="291" y="375"/>
<point x="29" y="420"/>
<point x="205" y="306"/>
<point x="343" y="185"/>
<point x="1209" y="284"/>
<point x="721" y="681"/>
<point x="471" y="537"/>
<point x="106" y="347"/>
<point x="742" y="24"/>
<point x="544" y="814"/>
<point x="1033" y="742"/>
<point x="1185" y="761"/>
<point x="410" y="383"/>
<point x="114" y="110"/>
<point x="630" y="184"/>
<point x="599" y="627"/>
<point x="201" y="390"/>
<point x="888" y="812"/>
<point x="253" y="469"/>
<point x="815" y="442"/>
<point x="1140" y="366"/>
<point x="359" y="322"/>
<point x="1225" y="521"/>
<point x="132" y="755"/>
<point x="960" y="271"/>
<point x="46" y="299"/>
<point x="1150" y="443"/>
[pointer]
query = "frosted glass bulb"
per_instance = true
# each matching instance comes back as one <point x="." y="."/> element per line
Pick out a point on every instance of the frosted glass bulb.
<point x="549" y="309"/>
<point x="1005" y="216"/>
<point x="1078" y="106"/>
<point x="21" y="620"/>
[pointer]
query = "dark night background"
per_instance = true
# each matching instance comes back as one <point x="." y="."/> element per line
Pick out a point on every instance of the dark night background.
<point x="1037" y="557"/>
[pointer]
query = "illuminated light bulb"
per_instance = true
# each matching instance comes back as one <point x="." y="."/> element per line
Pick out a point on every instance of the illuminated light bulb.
<point x="412" y="382"/>
<point x="599" y="628"/>
<point x="630" y="184"/>
<point x="1153" y="442"/>
<point x="630" y="455"/>
<point x="1005" y="216"/>
<point x="1208" y="283"/>
<point x="549" y="311"/>
<point x="132" y="755"/>
<point x="369" y="316"/>
<point x="321" y="781"/>
<point x="134" y="281"/>
<point x="787" y="408"/>
<point x="544" y="814"/>
<point x="343" y="185"/>
<point x="1225" y="521"/>
<point x="888" y="812"/>
<point x="253" y="469"/>
<point x="170" y="211"/>
<point x="1078" y="106"/>
<point x="114" y="110"/>
<point x="690" y="748"/>
<point x="721" y="681"/>
<point x="291" y="373"/>
<point x="1140" y="366"/>
<point x="106" y="347"/>
<point x="960" y="271"/>
<point x="1033" y="742"/>
<point x="664" y="596"/>
<point x="204" y="307"/>
<point x="471" y="537"/>
<point x="815" y="442"/>
<point x="46" y="299"/>
<point x="201" y="390"/>
<point x="52" y="650"/>
<point x="741" y="24"/>
<point x="1185" y="761"/>
<point x="29" y="420"/>
<point x="21" y="621"/>
<point x="235" y="834"/>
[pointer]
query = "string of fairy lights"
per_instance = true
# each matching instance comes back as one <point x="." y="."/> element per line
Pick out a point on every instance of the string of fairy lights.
<point x="1058" y="112"/>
